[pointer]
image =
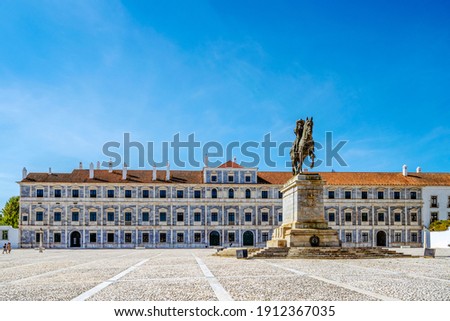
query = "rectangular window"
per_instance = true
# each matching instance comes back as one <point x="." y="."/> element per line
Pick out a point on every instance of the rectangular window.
<point x="434" y="201"/>
<point x="364" y="217"/>
<point x="4" y="235"/>
<point x="265" y="217"/>
<point x="413" y="217"/>
<point x="331" y="217"/>
<point x="348" y="216"/>
<point x="39" y="216"/>
<point x="110" y="216"/>
<point x="448" y="216"/>
<point x="231" y="237"/>
<point x="110" y="237"/>
<point x="331" y="194"/>
<point x="380" y="217"/>
<point x="162" y="193"/>
<point x="145" y="237"/>
<point x="145" y="193"/>
<point x="57" y="193"/>
<point x="40" y="192"/>
<point x="25" y="218"/>
<point x="397" y="217"/>
<point x="92" y="193"/>
<point x="197" y="194"/>
<point x="92" y="237"/>
<point x="230" y="178"/>
<point x="162" y="237"/>
<point x="398" y="237"/>
<point x="75" y="216"/>
<point x="280" y="217"/>
<point x="348" y="195"/>
<point x="162" y="217"/>
<point x="214" y="217"/>
<point x="75" y="193"/>
<point x="180" y="237"/>
<point x="56" y="237"/>
<point x="128" y="193"/>
<point x="413" y="195"/>
<point x="197" y="217"/>
<point x="127" y="237"/>
<point x="145" y="216"/>
<point x="110" y="193"/>
<point x="348" y="237"/>
<point x="396" y="195"/>
<point x="248" y="217"/>
<point x="231" y="218"/>
<point x="413" y="237"/>
<point x="38" y="237"/>
<point x="180" y="194"/>
<point x="127" y="218"/>
<point x="92" y="216"/>
<point x="180" y="217"/>
<point x="434" y="217"/>
<point x="448" y="203"/>
<point x="364" y="195"/>
<point x="265" y="236"/>
<point x="57" y="217"/>
<point x="248" y="178"/>
<point x="280" y="195"/>
<point x="213" y="178"/>
<point x="197" y="237"/>
<point x="380" y="195"/>
<point x="365" y="237"/>
<point x="264" y="194"/>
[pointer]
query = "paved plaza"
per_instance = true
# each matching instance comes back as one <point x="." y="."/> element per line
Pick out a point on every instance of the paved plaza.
<point x="186" y="274"/>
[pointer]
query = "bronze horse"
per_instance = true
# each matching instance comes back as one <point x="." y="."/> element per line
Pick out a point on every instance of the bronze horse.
<point x="303" y="145"/>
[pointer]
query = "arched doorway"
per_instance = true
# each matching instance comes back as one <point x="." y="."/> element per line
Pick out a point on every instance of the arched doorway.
<point x="381" y="238"/>
<point x="214" y="238"/>
<point x="75" y="239"/>
<point x="248" y="239"/>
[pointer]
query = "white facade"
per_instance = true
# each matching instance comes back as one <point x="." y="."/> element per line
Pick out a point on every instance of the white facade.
<point x="436" y="204"/>
<point x="9" y="234"/>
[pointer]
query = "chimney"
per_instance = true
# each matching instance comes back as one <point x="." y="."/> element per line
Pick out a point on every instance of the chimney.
<point x="154" y="173"/>
<point x="98" y="164"/>
<point x="124" y="171"/>
<point x="418" y="169"/>
<point x="24" y="173"/>
<point x="405" y="170"/>
<point x="80" y="166"/>
<point x="168" y="172"/>
<point x="49" y="171"/>
<point x="91" y="170"/>
<point x="110" y="166"/>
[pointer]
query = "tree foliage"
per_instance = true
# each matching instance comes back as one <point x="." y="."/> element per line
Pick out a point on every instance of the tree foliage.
<point x="10" y="213"/>
<point x="440" y="225"/>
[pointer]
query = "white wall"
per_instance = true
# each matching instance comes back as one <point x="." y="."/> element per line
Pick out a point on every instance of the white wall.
<point x="442" y="192"/>
<point x="13" y="236"/>
<point x="440" y="239"/>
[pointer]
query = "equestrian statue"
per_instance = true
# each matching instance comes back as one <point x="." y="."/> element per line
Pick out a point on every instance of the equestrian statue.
<point x="303" y="145"/>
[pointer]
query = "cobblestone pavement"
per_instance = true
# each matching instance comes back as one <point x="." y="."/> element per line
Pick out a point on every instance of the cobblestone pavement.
<point x="182" y="274"/>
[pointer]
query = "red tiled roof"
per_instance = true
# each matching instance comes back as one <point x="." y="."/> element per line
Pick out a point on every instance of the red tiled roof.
<point x="230" y="164"/>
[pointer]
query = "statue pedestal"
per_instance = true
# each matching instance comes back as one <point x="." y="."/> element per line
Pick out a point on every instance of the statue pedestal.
<point x="304" y="224"/>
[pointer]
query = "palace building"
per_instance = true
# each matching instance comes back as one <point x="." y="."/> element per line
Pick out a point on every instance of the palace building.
<point x="226" y="206"/>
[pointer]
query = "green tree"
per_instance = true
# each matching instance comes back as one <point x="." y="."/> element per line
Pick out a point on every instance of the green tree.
<point x="10" y="213"/>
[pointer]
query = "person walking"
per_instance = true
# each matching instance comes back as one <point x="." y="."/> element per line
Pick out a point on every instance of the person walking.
<point x="4" y="249"/>
<point x="8" y="247"/>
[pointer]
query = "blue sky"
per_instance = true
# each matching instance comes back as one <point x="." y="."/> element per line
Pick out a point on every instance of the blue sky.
<point x="77" y="74"/>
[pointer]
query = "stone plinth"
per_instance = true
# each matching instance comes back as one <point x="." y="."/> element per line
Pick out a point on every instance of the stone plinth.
<point x="304" y="224"/>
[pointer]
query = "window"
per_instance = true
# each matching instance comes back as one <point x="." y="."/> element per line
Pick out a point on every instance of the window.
<point x="434" y="217"/>
<point x="397" y="217"/>
<point x="396" y="195"/>
<point x="248" y="178"/>
<point x="197" y="237"/>
<point x="231" y="193"/>
<point x="145" y="237"/>
<point x="162" y="193"/>
<point x="231" y="218"/>
<point x="145" y="193"/>
<point x="214" y="217"/>
<point x="162" y="217"/>
<point x="248" y="217"/>
<point x="180" y="193"/>
<point x="57" y="216"/>
<point x="213" y="178"/>
<point x="93" y="237"/>
<point x="4" y="234"/>
<point x="434" y="202"/>
<point x="364" y="216"/>
<point x="127" y="218"/>
<point x="413" y="217"/>
<point x="264" y="194"/>
<point x="128" y="193"/>
<point x="162" y="237"/>
<point x="348" y="237"/>
<point x="57" y="237"/>
<point x="92" y="216"/>
<point x="197" y="217"/>
<point x="213" y="193"/>
<point x="40" y="192"/>
<point x="265" y="236"/>
<point x="197" y="194"/>
<point x="331" y="217"/>
<point x="280" y="217"/>
<point x="127" y="237"/>
<point x="413" y="195"/>
<point x="92" y="193"/>
<point x="39" y="216"/>
<point x="180" y="237"/>
<point x="230" y="178"/>
<point x="448" y="203"/>
<point x="75" y="193"/>
<point x="448" y="216"/>
<point x="110" y="193"/>
<point x="348" y="216"/>
<point x="57" y="193"/>
<point x="265" y="217"/>
<point x="364" y="195"/>
<point x="398" y="236"/>
<point x="248" y="193"/>
<point x="331" y="194"/>
<point x="75" y="216"/>
<point x="180" y="217"/>
<point x="38" y="237"/>
<point x="365" y="237"/>
<point x="110" y="237"/>
<point x="380" y="217"/>
<point x="110" y="216"/>
<point x="348" y="195"/>
<point x="231" y="236"/>
<point x="413" y="237"/>
<point x="380" y="195"/>
<point x="145" y="216"/>
<point x="25" y="218"/>
<point x="280" y="195"/>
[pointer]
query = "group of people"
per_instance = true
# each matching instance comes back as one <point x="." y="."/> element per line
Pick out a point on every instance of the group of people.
<point x="7" y="248"/>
